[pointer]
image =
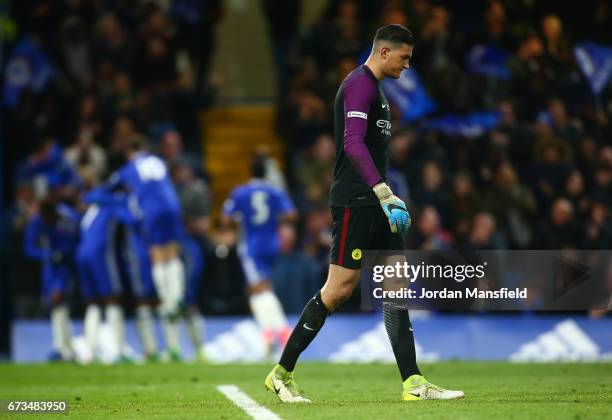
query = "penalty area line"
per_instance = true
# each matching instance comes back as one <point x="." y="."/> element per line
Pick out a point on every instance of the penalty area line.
<point x="242" y="400"/>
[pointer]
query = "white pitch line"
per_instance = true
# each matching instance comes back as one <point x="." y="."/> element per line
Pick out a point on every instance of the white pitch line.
<point x="242" y="400"/>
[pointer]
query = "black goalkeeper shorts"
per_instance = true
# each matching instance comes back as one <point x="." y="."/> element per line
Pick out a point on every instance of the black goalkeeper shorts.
<point x="357" y="229"/>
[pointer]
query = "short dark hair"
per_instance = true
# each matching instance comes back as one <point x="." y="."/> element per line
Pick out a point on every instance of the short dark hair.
<point x="258" y="167"/>
<point x="395" y="34"/>
<point x="48" y="209"/>
<point x="136" y="143"/>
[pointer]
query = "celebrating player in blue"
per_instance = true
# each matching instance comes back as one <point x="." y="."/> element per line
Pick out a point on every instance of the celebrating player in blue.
<point x="259" y="207"/>
<point x="100" y="262"/>
<point x="138" y="263"/>
<point x="366" y="214"/>
<point x="146" y="176"/>
<point x="99" y="274"/>
<point x="52" y="237"/>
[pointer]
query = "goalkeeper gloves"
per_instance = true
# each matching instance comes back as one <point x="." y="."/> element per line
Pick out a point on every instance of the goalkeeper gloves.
<point x="394" y="208"/>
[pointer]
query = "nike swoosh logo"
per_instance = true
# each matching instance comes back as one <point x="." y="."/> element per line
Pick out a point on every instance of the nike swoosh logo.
<point x="275" y="388"/>
<point x="307" y="327"/>
<point x="392" y="207"/>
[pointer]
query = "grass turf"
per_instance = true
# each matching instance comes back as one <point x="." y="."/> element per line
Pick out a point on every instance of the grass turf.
<point x="493" y="390"/>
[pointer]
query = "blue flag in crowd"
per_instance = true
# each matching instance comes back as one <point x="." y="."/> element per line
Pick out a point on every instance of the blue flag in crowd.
<point x="409" y="94"/>
<point x="471" y="125"/>
<point x="488" y="60"/>
<point x="26" y="67"/>
<point x="595" y="61"/>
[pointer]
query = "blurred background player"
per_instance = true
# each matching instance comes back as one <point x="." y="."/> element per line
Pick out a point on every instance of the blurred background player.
<point x="146" y="176"/>
<point x="99" y="271"/>
<point x="136" y="259"/>
<point x="52" y="236"/>
<point x="111" y="244"/>
<point x="258" y="207"/>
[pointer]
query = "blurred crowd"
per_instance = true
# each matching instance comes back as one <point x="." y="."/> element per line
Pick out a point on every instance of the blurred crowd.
<point x="541" y="179"/>
<point x="106" y="71"/>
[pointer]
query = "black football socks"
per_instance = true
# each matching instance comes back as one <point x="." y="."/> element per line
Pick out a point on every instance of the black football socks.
<point x="312" y="319"/>
<point x="399" y="329"/>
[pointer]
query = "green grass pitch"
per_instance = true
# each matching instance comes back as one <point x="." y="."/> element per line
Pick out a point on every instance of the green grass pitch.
<point x="183" y="390"/>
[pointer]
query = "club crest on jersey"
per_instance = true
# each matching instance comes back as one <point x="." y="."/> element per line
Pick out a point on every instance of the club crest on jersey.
<point x="356" y="254"/>
<point x="385" y="127"/>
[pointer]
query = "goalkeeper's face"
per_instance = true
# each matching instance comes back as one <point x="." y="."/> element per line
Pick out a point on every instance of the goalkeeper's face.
<point x="396" y="58"/>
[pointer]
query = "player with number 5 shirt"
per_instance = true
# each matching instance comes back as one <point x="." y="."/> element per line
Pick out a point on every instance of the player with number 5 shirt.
<point x="258" y="207"/>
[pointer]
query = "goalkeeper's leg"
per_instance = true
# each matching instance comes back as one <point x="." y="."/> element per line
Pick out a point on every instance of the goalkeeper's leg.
<point x="416" y="387"/>
<point x="400" y="332"/>
<point x="338" y="287"/>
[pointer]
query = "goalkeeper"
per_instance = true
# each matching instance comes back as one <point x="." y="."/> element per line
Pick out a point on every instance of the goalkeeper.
<point x="365" y="213"/>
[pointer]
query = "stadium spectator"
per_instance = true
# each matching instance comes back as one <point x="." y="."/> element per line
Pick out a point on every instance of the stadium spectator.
<point x="562" y="126"/>
<point x="561" y="230"/>
<point x="401" y="156"/>
<point x="296" y="276"/>
<point x="194" y="196"/>
<point x="428" y="233"/>
<point x="466" y="202"/>
<point x="495" y="30"/>
<point x="433" y="191"/>
<point x="575" y="192"/>
<point x="283" y="18"/>
<point x="85" y="154"/>
<point x="111" y="42"/>
<point x="437" y="59"/>
<point x="75" y="54"/>
<point x="550" y="169"/>
<point x="155" y="56"/>
<point x="529" y="75"/>
<point x="602" y="180"/>
<point x="512" y="205"/>
<point x="122" y="97"/>
<point x="317" y="234"/>
<point x="483" y="235"/>
<point x="172" y="150"/>
<point x="558" y="53"/>
<point x="195" y="22"/>
<point x="598" y="227"/>
<point x="316" y="170"/>
<point x="306" y="111"/>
